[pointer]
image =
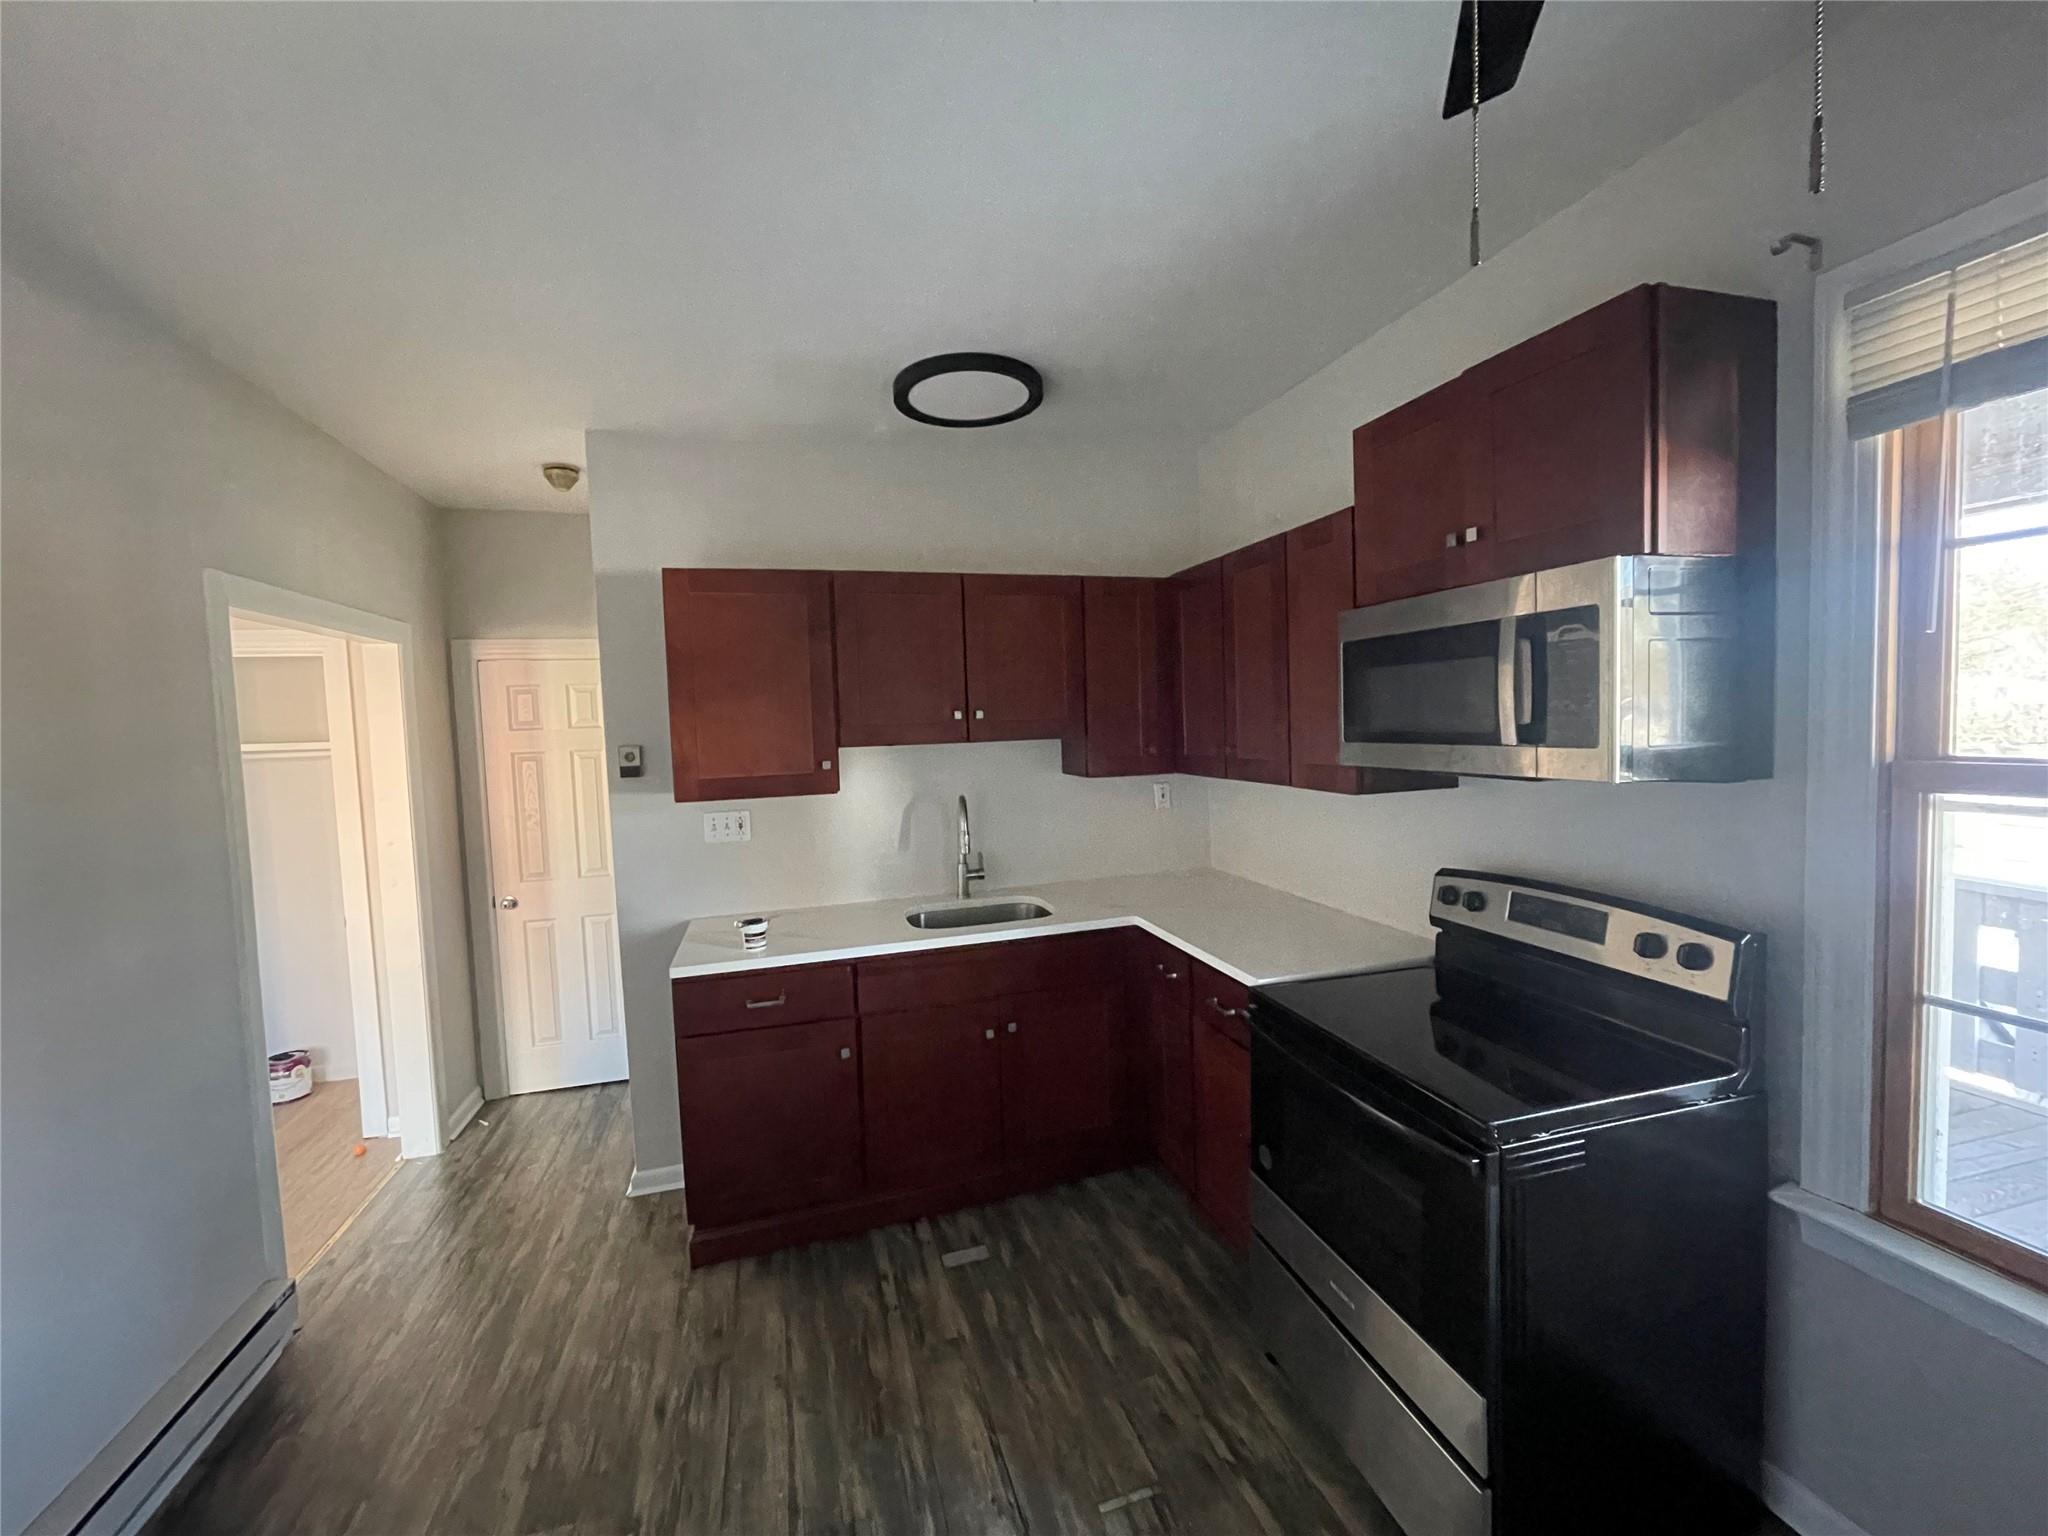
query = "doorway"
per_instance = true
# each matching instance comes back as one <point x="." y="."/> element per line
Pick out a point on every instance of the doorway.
<point x="537" y="821"/>
<point x="314" y="712"/>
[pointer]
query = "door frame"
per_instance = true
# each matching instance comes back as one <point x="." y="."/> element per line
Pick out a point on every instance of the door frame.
<point x="382" y="657"/>
<point x="342" y="750"/>
<point x="465" y="657"/>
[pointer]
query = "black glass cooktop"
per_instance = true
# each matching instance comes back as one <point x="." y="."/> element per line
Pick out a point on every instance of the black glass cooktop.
<point x="1504" y="1063"/>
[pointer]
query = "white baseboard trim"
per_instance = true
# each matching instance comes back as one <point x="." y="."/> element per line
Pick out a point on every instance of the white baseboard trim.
<point x="127" y="1482"/>
<point x="465" y="1112"/>
<point x="1804" y="1510"/>
<point x="655" y="1181"/>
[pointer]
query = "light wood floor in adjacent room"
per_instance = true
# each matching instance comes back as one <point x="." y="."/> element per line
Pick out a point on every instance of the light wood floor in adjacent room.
<point x="321" y="1181"/>
<point x="503" y="1342"/>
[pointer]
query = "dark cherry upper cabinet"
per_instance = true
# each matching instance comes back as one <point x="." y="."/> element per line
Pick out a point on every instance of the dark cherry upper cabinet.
<point x="750" y="697"/>
<point x="1418" y="473"/>
<point x="1130" y="717"/>
<point x="931" y="1094"/>
<point x="902" y="652"/>
<point x="1024" y="657"/>
<point x="1255" y="661"/>
<point x="1198" y="669"/>
<point x="1643" y="426"/>
<point x="771" y="1119"/>
<point x="1319" y="578"/>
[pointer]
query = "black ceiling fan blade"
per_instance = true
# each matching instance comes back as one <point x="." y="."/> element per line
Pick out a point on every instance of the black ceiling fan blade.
<point x="1505" y="27"/>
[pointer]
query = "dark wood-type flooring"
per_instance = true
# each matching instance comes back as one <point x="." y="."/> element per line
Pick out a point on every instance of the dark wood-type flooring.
<point x="503" y="1342"/>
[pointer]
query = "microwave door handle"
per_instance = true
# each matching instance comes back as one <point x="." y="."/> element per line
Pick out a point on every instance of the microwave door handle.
<point x="1505" y="669"/>
<point x="1525" y="680"/>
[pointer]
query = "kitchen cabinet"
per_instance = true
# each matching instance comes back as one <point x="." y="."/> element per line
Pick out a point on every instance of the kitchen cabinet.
<point x="1171" y="1079"/>
<point x="902" y="658"/>
<point x="1319" y="587"/>
<point x="1198" y="669"/>
<point x="1221" y="1046"/>
<point x="750" y="692"/>
<point x="1418" y="475"/>
<point x="1063" y="1072"/>
<point x="771" y="1119"/>
<point x="1255" y="661"/>
<point x="1129" y="714"/>
<point x="1643" y="426"/>
<point x="1025" y="669"/>
<point x="931" y="1094"/>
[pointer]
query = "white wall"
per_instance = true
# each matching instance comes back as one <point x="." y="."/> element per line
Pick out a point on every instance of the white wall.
<point x="129" y="1177"/>
<point x="1932" y="109"/>
<point x="301" y="943"/>
<point x="929" y="500"/>
<point x="519" y="575"/>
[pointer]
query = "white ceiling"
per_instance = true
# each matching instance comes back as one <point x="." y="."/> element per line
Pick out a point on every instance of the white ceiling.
<point x="457" y="235"/>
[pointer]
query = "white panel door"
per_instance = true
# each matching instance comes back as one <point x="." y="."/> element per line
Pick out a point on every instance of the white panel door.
<point x="545" y="801"/>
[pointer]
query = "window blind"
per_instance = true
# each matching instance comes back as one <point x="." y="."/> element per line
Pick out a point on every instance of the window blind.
<point x="1974" y="331"/>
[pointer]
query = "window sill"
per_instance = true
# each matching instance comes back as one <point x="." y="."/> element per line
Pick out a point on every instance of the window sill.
<point x="1983" y="1299"/>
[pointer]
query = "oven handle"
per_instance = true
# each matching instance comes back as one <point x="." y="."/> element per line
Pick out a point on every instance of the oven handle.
<point x="1396" y="1128"/>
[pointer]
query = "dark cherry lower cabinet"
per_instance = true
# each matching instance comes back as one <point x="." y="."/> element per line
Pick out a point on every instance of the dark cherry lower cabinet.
<point x="970" y="1074"/>
<point x="771" y="1119"/>
<point x="1223" y="1106"/>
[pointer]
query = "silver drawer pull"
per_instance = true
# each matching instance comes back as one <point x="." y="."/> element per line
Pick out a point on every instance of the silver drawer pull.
<point x="1450" y="541"/>
<point x="988" y="1034"/>
<point x="768" y="1002"/>
<point x="846" y="1053"/>
<point x="1011" y="1026"/>
<point x="1228" y="1013"/>
<point x="1169" y="975"/>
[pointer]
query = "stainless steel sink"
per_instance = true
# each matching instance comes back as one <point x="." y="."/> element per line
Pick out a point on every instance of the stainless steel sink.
<point x="976" y="914"/>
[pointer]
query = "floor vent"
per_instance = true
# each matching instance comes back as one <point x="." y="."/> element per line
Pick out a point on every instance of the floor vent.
<point x="960" y="1256"/>
<point x="1135" y="1496"/>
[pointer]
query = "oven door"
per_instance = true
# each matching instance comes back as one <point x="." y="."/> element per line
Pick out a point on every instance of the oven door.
<point x="1403" y="1206"/>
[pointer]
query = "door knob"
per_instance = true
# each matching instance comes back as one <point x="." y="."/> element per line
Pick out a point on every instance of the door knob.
<point x="508" y="902"/>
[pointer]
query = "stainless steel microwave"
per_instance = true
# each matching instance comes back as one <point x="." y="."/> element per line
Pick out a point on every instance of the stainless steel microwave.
<point x="1614" y="670"/>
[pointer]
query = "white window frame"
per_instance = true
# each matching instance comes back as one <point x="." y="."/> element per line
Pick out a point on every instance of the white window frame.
<point x="1843" y="901"/>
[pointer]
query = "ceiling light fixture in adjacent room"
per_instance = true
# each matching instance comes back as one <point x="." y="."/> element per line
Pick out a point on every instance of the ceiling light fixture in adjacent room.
<point x="562" y="477"/>
<point x="968" y="389"/>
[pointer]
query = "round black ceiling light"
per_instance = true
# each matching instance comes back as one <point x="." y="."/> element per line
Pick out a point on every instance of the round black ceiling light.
<point x="968" y="389"/>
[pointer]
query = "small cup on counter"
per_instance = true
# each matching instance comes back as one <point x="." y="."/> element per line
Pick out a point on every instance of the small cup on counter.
<point x="753" y="932"/>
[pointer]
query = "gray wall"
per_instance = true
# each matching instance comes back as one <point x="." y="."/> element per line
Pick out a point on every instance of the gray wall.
<point x="517" y="575"/>
<point x="130" y="1195"/>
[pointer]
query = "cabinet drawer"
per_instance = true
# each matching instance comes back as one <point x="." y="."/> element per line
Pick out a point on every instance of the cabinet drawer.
<point x="712" y="1005"/>
<point x="940" y="978"/>
<point x="1219" y="1001"/>
<point x="1164" y="972"/>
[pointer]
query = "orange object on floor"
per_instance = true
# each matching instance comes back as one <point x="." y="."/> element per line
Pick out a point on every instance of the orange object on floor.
<point x="359" y="1151"/>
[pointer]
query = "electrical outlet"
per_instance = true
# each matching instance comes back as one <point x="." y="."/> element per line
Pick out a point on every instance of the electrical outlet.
<point x="1162" y="796"/>
<point x="727" y="827"/>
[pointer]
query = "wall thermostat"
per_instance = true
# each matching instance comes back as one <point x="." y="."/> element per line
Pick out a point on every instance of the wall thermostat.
<point x="631" y="764"/>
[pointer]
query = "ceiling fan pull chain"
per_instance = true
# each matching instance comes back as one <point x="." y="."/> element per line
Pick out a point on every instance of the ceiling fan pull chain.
<point x="1817" y="143"/>
<point x="1473" y="251"/>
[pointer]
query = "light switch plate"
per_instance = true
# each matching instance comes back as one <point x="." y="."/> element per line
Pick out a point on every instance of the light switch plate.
<point x="727" y="827"/>
<point x="1162" y="796"/>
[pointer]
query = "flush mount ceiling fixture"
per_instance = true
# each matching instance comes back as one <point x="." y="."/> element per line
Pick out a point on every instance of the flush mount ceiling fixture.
<point x="968" y="389"/>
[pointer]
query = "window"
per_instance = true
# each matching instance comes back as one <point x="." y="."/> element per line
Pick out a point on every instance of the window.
<point x="1963" y="1093"/>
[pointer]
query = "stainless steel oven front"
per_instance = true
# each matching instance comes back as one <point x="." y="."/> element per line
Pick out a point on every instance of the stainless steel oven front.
<point x="1616" y="669"/>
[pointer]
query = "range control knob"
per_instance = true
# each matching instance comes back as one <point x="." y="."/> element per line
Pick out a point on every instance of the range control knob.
<point x="1475" y="901"/>
<point x="1694" y="957"/>
<point x="1448" y="895"/>
<point x="1265" y="1156"/>
<point x="1650" y="946"/>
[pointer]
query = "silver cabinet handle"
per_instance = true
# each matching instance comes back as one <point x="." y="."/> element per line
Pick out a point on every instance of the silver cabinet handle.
<point x="1162" y="970"/>
<point x="846" y="1053"/>
<point x="957" y="715"/>
<point x="1450" y="541"/>
<point x="1228" y="1013"/>
<point x="1011" y="1026"/>
<point x="988" y="1034"/>
<point x="768" y="1002"/>
<point x="508" y="902"/>
<point x="981" y="714"/>
<point x="1471" y="536"/>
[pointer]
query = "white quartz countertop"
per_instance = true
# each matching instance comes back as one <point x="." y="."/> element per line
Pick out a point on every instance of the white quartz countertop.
<point x="1244" y="929"/>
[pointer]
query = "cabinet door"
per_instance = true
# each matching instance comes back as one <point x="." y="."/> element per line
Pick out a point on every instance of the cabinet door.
<point x="771" y="1120"/>
<point x="931" y="1095"/>
<point x="902" y="658"/>
<point x="1223" y="1134"/>
<point x="1255" y="661"/>
<point x="1418" y="474"/>
<point x="1063" y="1072"/>
<point x="1173" y="1110"/>
<point x="1129" y="692"/>
<point x="1024" y="661"/>
<point x="1569" y="432"/>
<point x="750" y="701"/>
<point x="1198" y="669"/>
